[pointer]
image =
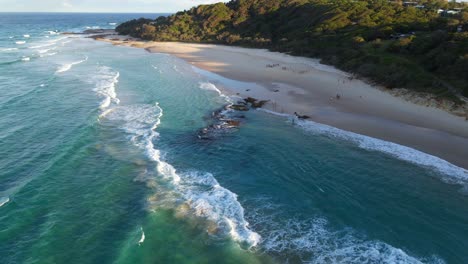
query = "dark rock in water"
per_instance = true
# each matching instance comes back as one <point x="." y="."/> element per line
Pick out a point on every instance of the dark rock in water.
<point x="98" y="31"/>
<point x="233" y="123"/>
<point x="223" y="122"/>
<point x="301" y="116"/>
<point x="260" y="104"/>
<point x="239" y="107"/>
<point x="255" y="103"/>
<point x="250" y="100"/>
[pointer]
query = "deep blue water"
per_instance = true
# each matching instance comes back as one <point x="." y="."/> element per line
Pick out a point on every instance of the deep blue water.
<point x="101" y="161"/>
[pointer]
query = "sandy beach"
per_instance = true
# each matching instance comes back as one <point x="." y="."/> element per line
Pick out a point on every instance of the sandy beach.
<point x="327" y="95"/>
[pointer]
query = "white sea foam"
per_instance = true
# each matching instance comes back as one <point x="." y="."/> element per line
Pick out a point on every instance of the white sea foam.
<point x="455" y="174"/>
<point x="42" y="45"/>
<point x="313" y="237"/>
<point x="112" y="23"/>
<point x="20" y="42"/>
<point x="68" y="66"/>
<point x="200" y="192"/>
<point x="142" y="239"/>
<point x="52" y="32"/>
<point x="8" y="49"/>
<point x="217" y="204"/>
<point x="156" y="68"/>
<point x="66" y="42"/>
<point x="25" y="59"/>
<point x="105" y="87"/>
<point x="48" y="54"/>
<point x="42" y="51"/>
<point x="211" y="87"/>
<point x="26" y="36"/>
<point x="4" y="200"/>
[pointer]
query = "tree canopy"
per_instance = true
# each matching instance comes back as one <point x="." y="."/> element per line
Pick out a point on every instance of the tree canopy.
<point x="423" y="47"/>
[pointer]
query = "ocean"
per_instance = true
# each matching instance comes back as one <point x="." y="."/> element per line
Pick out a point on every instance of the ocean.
<point x="111" y="154"/>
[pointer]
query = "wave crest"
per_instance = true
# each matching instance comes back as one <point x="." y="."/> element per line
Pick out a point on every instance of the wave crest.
<point x="68" y="66"/>
<point x="193" y="194"/>
<point x="313" y="241"/>
<point x="106" y="81"/>
<point x="4" y="200"/>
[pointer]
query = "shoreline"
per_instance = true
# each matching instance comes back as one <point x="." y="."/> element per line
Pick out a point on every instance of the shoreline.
<point x="324" y="93"/>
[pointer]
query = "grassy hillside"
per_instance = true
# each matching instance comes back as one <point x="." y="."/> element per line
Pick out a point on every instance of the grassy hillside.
<point x="394" y="45"/>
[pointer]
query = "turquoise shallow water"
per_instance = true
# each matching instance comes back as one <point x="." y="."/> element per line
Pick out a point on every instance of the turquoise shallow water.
<point x="101" y="162"/>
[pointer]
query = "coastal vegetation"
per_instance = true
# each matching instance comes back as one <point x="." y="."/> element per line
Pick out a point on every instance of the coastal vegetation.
<point x="420" y="45"/>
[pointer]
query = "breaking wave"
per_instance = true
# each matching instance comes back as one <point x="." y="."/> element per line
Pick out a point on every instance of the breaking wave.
<point x="68" y="66"/>
<point x="8" y="49"/>
<point x="4" y="200"/>
<point x="105" y="87"/>
<point x="192" y="194"/>
<point x="142" y="239"/>
<point x="454" y="173"/>
<point x="314" y="241"/>
<point x="211" y="87"/>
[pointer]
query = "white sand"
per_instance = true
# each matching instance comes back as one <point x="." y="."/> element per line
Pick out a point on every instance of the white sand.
<point x="305" y="86"/>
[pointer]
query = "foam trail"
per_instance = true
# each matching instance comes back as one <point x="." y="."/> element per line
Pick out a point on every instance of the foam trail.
<point x="142" y="239"/>
<point x="105" y="87"/>
<point x="200" y="192"/>
<point x="26" y="59"/>
<point x="67" y="67"/>
<point x="112" y="23"/>
<point x="57" y="39"/>
<point x="48" y="54"/>
<point x="42" y="46"/>
<point x="26" y="36"/>
<point x="217" y="204"/>
<point x="20" y="42"/>
<point x="4" y="200"/>
<point x="211" y="87"/>
<point x="455" y="174"/>
<point x="313" y="237"/>
<point x="8" y="49"/>
<point x="46" y="50"/>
